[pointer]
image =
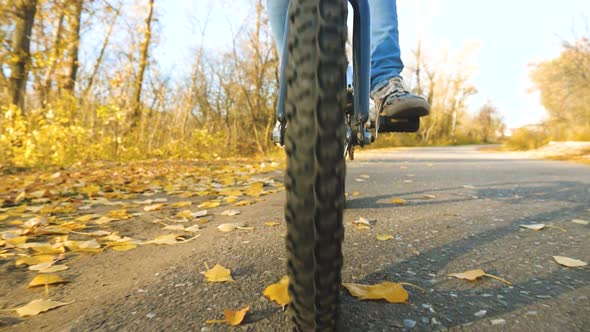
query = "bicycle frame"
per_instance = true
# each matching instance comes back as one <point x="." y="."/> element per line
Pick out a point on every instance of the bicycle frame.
<point x="361" y="54"/>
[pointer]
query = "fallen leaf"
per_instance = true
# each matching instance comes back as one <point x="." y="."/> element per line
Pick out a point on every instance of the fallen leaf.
<point x="199" y="214"/>
<point x="356" y="193"/>
<point x="362" y="223"/>
<point x="271" y="223"/>
<point x="184" y="214"/>
<point x="399" y="201"/>
<point x="193" y="228"/>
<point x="244" y="203"/>
<point x="104" y="220"/>
<point x="230" y="212"/>
<point x="209" y="204"/>
<point x="569" y="262"/>
<point x="537" y="227"/>
<point x="170" y="239"/>
<point x="36" y="307"/>
<point x="153" y="207"/>
<point x="46" y="279"/>
<point x="389" y="291"/>
<point x="476" y="274"/>
<point x="235" y="317"/>
<point x="90" y="190"/>
<point x="41" y="266"/>
<point x="279" y="292"/>
<point x="581" y="222"/>
<point x="227" y="227"/>
<point x="124" y="247"/>
<point x="174" y="227"/>
<point x="218" y="274"/>
<point x="429" y="196"/>
<point x="182" y="204"/>
<point x="384" y="237"/>
<point x="54" y="268"/>
<point x="34" y="260"/>
<point x="48" y="250"/>
<point x="118" y="214"/>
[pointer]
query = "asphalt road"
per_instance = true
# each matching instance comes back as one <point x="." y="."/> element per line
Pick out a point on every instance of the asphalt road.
<point x="463" y="212"/>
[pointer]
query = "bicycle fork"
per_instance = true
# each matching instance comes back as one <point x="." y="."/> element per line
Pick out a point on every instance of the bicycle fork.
<point x="356" y="132"/>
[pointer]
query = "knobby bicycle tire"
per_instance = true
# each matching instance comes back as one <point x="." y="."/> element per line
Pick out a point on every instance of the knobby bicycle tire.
<point x="314" y="143"/>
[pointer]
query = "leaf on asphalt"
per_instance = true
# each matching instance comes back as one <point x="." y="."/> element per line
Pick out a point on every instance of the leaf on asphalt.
<point x="119" y="214"/>
<point x="232" y="317"/>
<point x="182" y="204"/>
<point x="41" y="266"/>
<point x="184" y="214"/>
<point x="227" y="227"/>
<point x="569" y="262"/>
<point x="34" y="260"/>
<point x="468" y="186"/>
<point x="193" y="228"/>
<point x="390" y="291"/>
<point x="399" y="201"/>
<point x="271" y="223"/>
<point x="362" y="223"/>
<point x="538" y="227"/>
<point x="476" y="274"/>
<point x="174" y="227"/>
<point x="53" y="269"/>
<point x="279" y="292"/>
<point x="48" y="250"/>
<point x="235" y="317"/>
<point x="36" y="307"/>
<point x="17" y="240"/>
<point x="153" y="207"/>
<point x="384" y="237"/>
<point x="46" y="279"/>
<point x="90" y="190"/>
<point x="218" y="274"/>
<point x="230" y="212"/>
<point x="244" y="203"/>
<point x="104" y="220"/>
<point x="199" y="214"/>
<point x="124" y="247"/>
<point x="209" y="204"/>
<point x="429" y="196"/>
<point x="170" y="239"/>
<point x="581" y="222"/>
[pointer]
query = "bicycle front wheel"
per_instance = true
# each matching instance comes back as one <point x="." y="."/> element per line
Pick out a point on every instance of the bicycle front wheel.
<point x="314" y="142"/>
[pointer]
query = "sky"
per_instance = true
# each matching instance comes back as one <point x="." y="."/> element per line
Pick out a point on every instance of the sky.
<point x="503" y="37"/>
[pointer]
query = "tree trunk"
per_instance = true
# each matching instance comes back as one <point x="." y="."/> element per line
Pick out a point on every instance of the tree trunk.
<point x="74" y="44"/>
<point x="143" y="60"/>
<point x="21" y="44"/>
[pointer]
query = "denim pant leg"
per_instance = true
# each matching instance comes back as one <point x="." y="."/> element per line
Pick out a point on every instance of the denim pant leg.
<point x="277" y="14"/>
<point x="386" y="61"/>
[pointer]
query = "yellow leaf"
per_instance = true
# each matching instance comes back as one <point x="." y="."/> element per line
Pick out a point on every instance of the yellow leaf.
<point x="218" y="274"/>
<point x="389" y="291"/>
<point x="182" y="204"/>
<point x="170" y="239"/>
<point x="87" y="217"/>
<point x="475" y="274"/>
<point x="230" y="212"/>
<point x="230" y="199"/>
<point x="271" y="223"/>
<point x="17" y="240"/>
<point x="279" y="292"/>
<point x="54" y="268"/>
<point x="209" y="204"/>
<point x="537" y="227"/>
<point x="362" y="223"/>
<point x="36" y="307"/>
<point x="244" y="203"/>
<point x="119" y="214"/>
<point x="569" y="262"/>
<point x="255" y="189"/>
<point x="153" y="207"/>
<point x="104" y="220"/>
<point x="34" y="260"/>
<point x="235" y="317"/>
<point x="124" y="247"/>
<point x="41" y="266"/>
<point x="48" y="250"/>
<point x="90" y="190"/>
<point x="46" y="279"/>
<point x="398" y="201"/>
<point x="184" y="214"/>
<point x="384" y="237"/>
<point x="174" y="227"/>
<point x="4" y="217"/>
<point x="227" y="227"/>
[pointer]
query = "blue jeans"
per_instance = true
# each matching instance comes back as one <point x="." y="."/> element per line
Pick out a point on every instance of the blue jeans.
<point x="386" y="61"/>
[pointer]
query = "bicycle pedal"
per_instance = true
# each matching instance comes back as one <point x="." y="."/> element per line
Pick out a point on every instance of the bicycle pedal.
<point x="391" y="125"/>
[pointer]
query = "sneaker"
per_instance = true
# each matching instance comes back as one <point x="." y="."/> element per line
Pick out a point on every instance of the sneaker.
<point x="395" y="101"/>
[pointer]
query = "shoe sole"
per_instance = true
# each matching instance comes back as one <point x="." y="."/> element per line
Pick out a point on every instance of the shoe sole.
<point x="406" y="110"/>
